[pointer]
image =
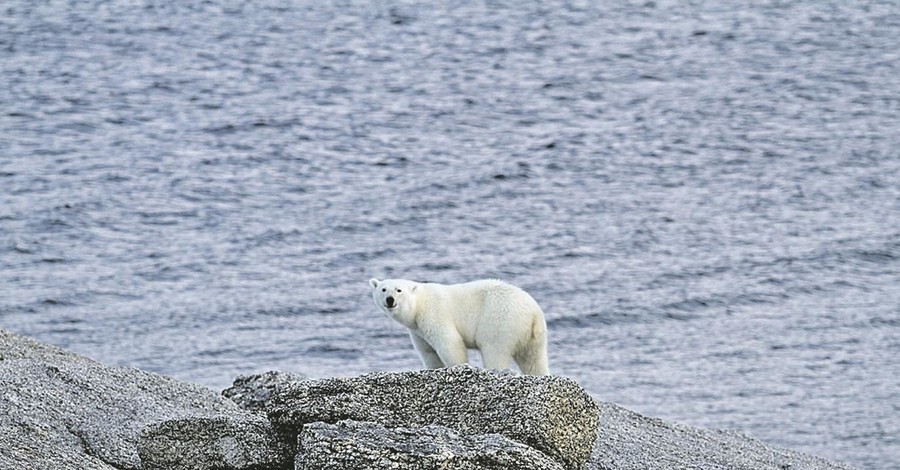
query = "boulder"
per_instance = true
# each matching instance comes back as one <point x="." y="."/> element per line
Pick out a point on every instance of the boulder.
<point x="356" y="445"/>
<point x="630" y="441"/>
<point x="550" y="414"/>
<point x="62" y="410"/>
<point x="213" y="443"/>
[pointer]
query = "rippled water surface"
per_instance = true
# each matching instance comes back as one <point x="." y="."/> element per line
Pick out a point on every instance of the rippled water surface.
<point x="704" y="198"/>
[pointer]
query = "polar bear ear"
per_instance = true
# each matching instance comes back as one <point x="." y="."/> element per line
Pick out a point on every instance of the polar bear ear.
<point x="414" y="287"/>
<point x="373" y="283"/>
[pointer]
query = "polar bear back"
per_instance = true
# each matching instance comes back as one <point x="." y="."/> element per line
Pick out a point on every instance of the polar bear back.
<point x="479" y="310"/>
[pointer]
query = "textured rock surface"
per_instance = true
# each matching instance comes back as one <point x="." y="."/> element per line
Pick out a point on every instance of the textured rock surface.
<point x="214" y="443"/>
<point x="629" y="441"/>
<point x="252" y="392"/>
<point x="62" y="410"/>
<point x="355" y="445"/>
<point x="551" y="414"/>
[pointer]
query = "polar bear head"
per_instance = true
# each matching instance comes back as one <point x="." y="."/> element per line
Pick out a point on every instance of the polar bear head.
<point x="396" y="298"/>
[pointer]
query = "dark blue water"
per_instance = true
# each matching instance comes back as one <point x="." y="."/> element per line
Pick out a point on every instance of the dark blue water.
<point x="704" y="198"/>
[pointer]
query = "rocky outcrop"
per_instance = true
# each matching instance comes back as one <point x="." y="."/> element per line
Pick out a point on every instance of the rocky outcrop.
<point x="630" y="441"/>
<point x="200" y="442"/>
<point x="353" y="444"/>
<point x="551" y="414"/>
<point x="61" y="410"/>
<point x="374" y="418"/>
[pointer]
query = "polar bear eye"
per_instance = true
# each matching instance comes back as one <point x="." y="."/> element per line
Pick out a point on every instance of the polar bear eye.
<point x="384" y="289"/>
<point x="399" y="291"/>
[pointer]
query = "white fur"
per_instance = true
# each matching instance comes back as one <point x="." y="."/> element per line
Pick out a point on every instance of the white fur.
<point x="500" y="320"/>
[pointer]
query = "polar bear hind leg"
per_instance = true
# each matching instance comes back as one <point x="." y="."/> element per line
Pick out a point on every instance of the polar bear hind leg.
<point x="515" y="330"/>
<point x="532" y="359"/>
<point x="532" y="355"/>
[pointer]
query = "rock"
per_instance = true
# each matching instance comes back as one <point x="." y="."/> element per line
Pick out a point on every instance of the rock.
<point x="62" y="410"/>
<point x="213" y="443"/>
<point x="550" y="414"/>
<point x="629" y="441"/>
<point x="251" y="392"/>
<point x="356" y="445"/>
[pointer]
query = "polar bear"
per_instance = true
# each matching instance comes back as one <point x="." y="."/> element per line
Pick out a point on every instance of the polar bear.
<point x="500" y="320"/>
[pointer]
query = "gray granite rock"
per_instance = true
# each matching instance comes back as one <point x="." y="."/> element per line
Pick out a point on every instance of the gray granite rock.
<point x="221" y="442"/>
<point x="252" y="392"/>
<point x="62" y="410"/>
<point x="356" y="445"/>
<point x="630" y="441"/>
<point x="550" y="414"/>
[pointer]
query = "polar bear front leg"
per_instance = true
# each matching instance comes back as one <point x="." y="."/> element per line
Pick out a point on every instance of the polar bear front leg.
<point x="430" y="358"/>
<point x="441" y="349"/>
<point x="450" y="348"/>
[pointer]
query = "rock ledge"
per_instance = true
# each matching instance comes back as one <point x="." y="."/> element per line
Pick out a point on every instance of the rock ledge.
<point x="62" y="410"/>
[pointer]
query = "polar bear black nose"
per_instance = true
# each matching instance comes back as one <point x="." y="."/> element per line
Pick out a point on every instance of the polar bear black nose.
<point x="389" y="301"/>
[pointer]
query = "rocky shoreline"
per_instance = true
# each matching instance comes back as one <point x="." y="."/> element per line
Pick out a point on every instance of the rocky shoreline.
<point x="62" y="410"/>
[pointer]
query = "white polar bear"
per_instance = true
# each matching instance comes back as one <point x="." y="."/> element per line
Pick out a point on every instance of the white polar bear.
<point x="500" y="320"/>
